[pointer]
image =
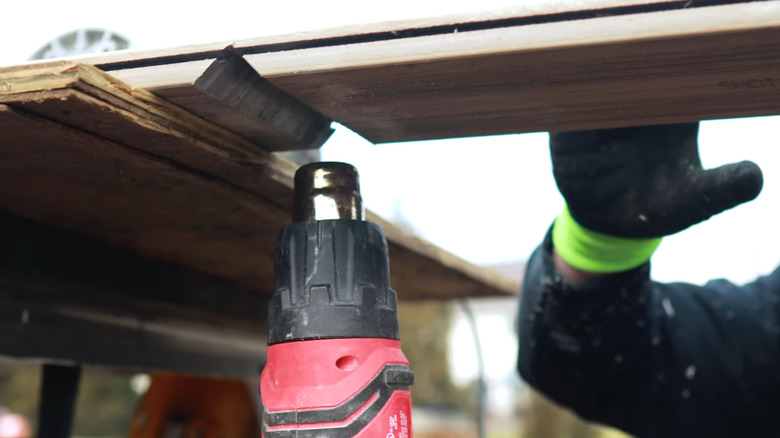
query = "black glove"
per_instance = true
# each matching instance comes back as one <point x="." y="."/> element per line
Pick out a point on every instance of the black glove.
<point x="645" y="182"/>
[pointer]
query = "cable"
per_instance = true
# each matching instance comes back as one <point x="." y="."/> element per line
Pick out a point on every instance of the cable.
<point x="481" y="386"/>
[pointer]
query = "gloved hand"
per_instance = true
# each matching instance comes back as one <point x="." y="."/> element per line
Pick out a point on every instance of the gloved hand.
<point x="625" y="188"/>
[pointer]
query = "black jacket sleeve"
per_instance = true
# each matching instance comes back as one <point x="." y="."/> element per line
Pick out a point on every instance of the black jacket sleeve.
<point x="653" y="359"/>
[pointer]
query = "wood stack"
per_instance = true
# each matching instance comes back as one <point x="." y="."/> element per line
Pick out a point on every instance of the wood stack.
<point x="87" y="153"/>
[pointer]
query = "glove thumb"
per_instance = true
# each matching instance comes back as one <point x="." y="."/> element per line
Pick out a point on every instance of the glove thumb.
<point x="716" y="190"/>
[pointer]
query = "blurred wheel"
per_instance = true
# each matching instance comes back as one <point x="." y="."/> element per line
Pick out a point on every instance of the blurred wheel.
<point x="82" y="41"/>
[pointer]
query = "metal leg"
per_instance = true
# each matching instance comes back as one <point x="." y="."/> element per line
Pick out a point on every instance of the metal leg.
<point x="58" y="400"/>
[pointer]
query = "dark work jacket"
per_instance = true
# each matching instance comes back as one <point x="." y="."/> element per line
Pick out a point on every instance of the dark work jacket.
<point x="653" y="359"/>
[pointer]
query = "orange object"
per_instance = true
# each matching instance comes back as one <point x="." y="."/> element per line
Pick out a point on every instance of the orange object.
<point x="178" y="406"/>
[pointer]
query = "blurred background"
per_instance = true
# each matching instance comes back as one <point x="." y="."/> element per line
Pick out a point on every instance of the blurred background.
<point x="505" y="195"/>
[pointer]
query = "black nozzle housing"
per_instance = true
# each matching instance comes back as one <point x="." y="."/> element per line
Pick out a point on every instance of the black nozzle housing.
<point x="332" y="275"/>
<point x="332" y="281"/>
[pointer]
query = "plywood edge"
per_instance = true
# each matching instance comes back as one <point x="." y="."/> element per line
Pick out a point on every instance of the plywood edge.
<point x="146" y="108"/>
<point x="145" y="104"/>
<point x="142" y="101"/>
<point x="31" y="69"/>
<point x="22" y="79"/>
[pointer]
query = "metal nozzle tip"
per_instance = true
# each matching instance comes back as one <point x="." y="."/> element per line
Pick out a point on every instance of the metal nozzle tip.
<point x="327" y="190"/>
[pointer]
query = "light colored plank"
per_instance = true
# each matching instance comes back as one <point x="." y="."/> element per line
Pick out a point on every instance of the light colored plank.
<point x="677" y="65"/>
<point x="524" y="39"/>
<point x="85" y="153"/>
<point x="526" y="9"/>
<point x="664" y="67"/>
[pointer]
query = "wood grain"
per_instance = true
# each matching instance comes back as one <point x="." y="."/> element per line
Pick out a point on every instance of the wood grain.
<point x="86" y="153"/>
<point x="665" y="67"/>
<point x="81" y="182"/>
<point x="540" y="10"/>
<point x="83" y="97"/>
<point x="668" y="66"/>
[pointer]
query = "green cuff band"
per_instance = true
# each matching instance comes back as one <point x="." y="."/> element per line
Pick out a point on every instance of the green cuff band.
<point x="595" y="252"/>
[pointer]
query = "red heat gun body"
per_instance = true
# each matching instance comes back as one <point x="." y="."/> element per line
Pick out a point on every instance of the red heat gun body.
<point x="335" y="366"/>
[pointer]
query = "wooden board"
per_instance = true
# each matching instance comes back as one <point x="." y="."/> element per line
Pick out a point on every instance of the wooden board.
<point x="661" y="67"/>
<point x="637" y="64"/>
<point x="527" y="11"/>
<point x="86" y="153"/>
